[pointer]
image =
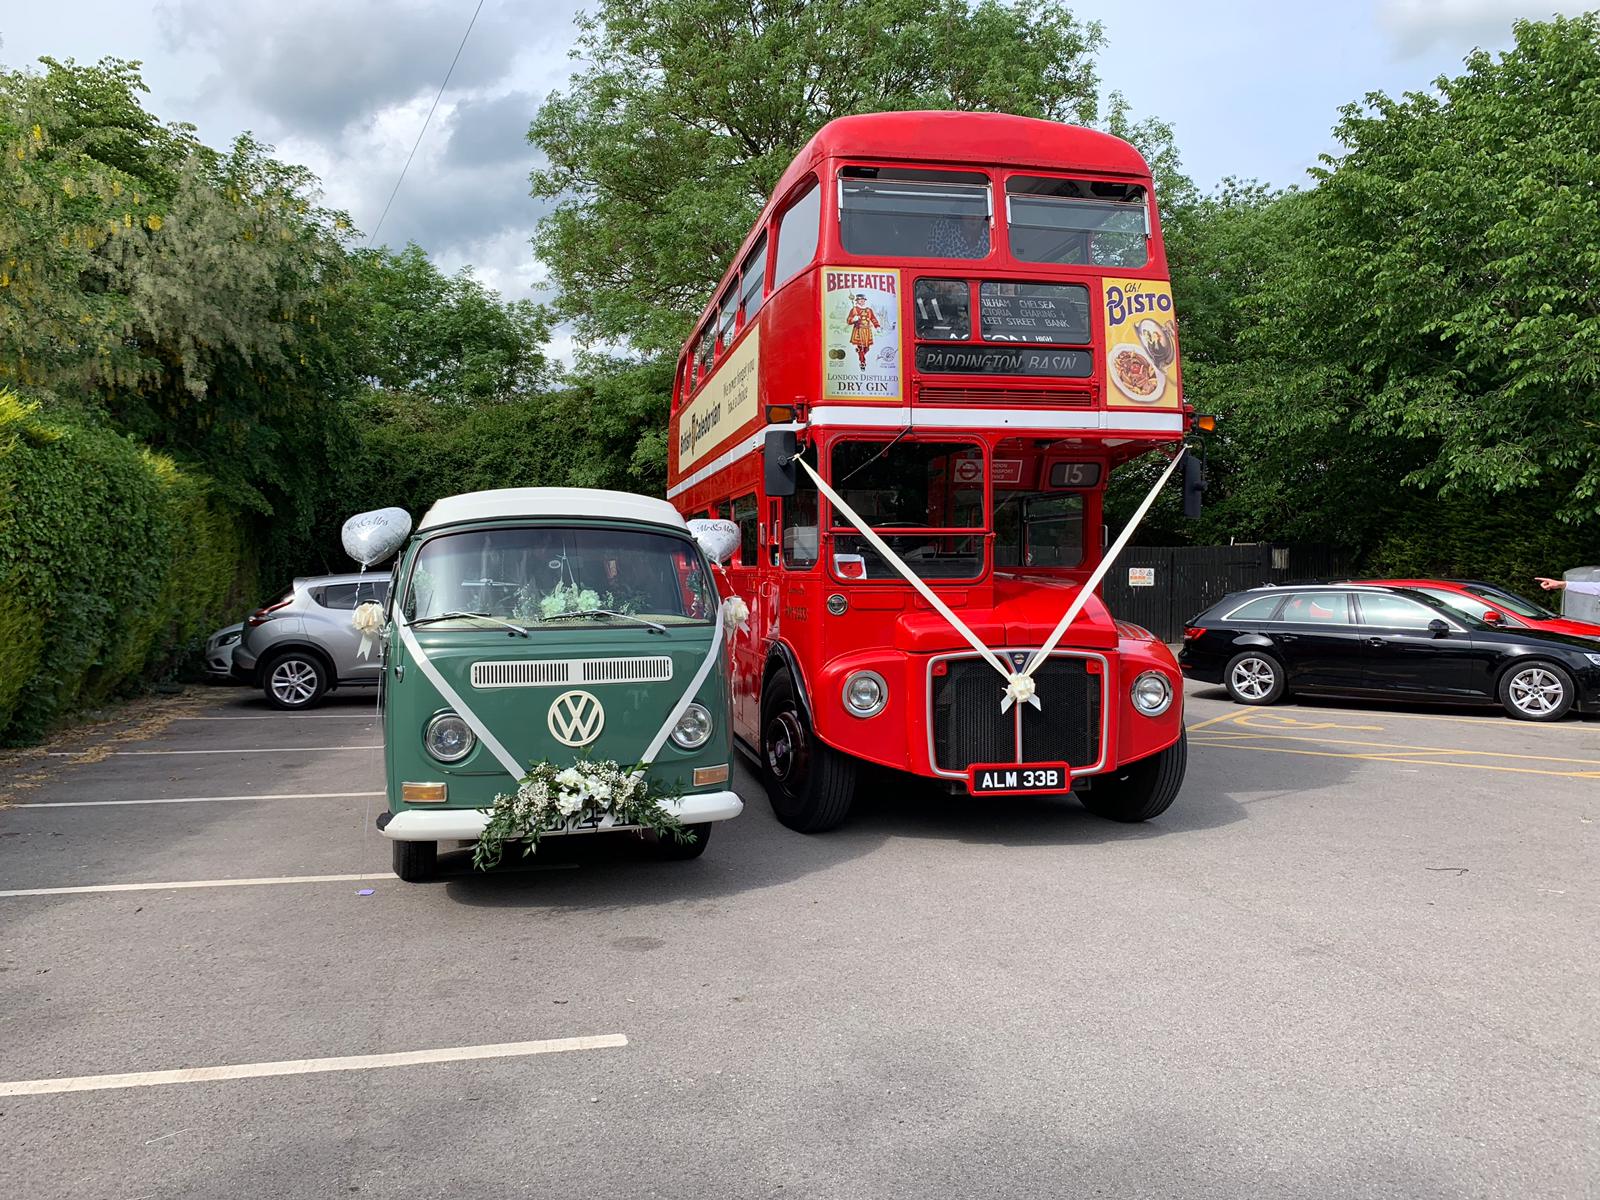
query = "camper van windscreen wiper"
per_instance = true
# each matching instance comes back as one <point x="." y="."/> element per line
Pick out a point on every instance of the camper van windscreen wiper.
<point x="457" y="616"/>
<point x="655" y="627"/>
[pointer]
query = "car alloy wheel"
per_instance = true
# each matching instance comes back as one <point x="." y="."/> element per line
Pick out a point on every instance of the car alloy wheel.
<point x="293" y="682"/>
<point x="1536" y="691"/>
<point x="1253" y="678"/>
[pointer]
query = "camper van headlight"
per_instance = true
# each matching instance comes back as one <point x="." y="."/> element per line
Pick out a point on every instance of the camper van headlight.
<point x="449" y="738"/>
<point x="865" y="694"/>
<point x="1151" y="693"/>
<point x="693" y="729"/>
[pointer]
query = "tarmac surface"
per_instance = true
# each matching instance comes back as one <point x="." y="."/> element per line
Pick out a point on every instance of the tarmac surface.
<point x="1356" y="958"/>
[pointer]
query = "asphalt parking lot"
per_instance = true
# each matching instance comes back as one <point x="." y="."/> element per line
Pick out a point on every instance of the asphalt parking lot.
<point x="1356" y="958"/>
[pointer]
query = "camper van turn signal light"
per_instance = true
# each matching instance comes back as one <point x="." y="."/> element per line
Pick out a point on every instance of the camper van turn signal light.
<point x="422" y="793"/>
<point x="705" y="775"/>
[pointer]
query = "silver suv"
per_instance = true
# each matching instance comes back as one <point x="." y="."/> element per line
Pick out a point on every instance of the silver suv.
<point x="304" y="645"/>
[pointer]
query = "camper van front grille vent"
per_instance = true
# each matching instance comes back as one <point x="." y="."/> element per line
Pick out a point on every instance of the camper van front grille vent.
<point x="627" y="670"/>
<point x="560" y="672"/>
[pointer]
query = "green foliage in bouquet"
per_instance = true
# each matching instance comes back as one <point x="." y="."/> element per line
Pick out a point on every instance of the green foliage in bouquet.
<point x="550" y="797"/>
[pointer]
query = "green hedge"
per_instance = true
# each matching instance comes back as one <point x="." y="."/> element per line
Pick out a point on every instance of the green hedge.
<point x="114" y="566"/>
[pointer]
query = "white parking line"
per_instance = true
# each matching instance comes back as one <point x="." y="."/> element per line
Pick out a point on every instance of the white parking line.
<point x="200" y="799"/>
<point x="311" y="1066"/>
<point x="187" y="884"/>
<point x="191" y="883"/>
<point x="252" y="750"/>
<point x="364" y="714"/>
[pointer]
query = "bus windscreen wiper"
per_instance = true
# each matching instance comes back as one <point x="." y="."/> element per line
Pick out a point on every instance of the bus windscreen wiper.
<point x="655" y="627"/>
<point x="481" y="616"/>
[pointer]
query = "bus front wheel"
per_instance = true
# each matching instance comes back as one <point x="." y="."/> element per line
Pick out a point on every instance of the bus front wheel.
<point x="811" y="785"/>
<point x="1142" y="789"/>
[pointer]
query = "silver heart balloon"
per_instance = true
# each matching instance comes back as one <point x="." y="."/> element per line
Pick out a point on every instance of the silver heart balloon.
<point x="371" y="537"/>
<point x="717" y="537"/>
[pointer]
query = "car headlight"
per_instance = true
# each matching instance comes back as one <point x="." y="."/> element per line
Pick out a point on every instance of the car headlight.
<point x="1594" y="658"/>
<point x="1151" y="693"/>
<point x="449" y="738"/>
<point x="865" y="694"/>
<point x="693" y="729"/>
<point x="228" y="639"/>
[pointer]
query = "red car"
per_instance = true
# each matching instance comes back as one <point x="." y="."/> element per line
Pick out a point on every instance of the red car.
<point x="1495" y="605"/>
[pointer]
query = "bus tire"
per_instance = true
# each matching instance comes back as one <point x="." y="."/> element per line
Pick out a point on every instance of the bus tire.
<point x="1142" y="789"/>
<point x="671" y="849"/>
<point x="811" y="785"/>
<point x="415" y="862"/>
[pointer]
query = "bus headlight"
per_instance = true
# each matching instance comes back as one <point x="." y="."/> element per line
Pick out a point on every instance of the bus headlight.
<point x="865" y="694"/>
<point x="449" y="738"/>
<point x="693" y="729"/>
<point x="1151" y="693"/>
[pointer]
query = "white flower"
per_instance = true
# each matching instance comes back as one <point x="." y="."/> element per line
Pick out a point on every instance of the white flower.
<point x="568" y="803"/>
<point x="570" y="778"/>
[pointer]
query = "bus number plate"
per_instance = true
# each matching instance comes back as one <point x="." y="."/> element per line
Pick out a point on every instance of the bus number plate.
<point x="1016" y="779"/>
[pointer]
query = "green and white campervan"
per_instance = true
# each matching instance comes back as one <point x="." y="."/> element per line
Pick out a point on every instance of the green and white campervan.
<point x="559" y="626"/>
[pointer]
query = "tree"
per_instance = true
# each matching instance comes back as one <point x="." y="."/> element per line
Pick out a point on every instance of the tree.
<point x="444" y="337"/>
<point x="666" y="146"/>
<point x="1447" y="286"/>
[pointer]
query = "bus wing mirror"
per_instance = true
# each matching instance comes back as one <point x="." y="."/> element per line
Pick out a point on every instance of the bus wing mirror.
<point x="782" y="474"/>
<point x="1194" y="484"/>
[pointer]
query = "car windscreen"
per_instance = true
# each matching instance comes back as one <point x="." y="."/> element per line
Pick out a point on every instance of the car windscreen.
<point x="1513" y="603"/>
<point x="530" y="574"/>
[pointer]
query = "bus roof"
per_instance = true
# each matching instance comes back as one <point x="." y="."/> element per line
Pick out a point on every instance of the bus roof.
<point x="934" y="136"/>
<point x="502" y="503"/>
<point x="998" y="139"/>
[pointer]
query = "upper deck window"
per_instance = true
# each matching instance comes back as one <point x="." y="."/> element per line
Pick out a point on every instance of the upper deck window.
<point x="725" y="316"/>
<point x="754" y="279"/>
<point x="1078" y="221"/>
<point x="901" y="213"/>
<point x="798" y="231"/>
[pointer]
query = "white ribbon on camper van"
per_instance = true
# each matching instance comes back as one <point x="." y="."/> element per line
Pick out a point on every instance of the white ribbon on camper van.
<point x="504" y="757"/>
<point x="1020" y="687"/>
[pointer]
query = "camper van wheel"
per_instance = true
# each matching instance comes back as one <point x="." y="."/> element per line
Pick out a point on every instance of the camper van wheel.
<point x="1142" y="789"/>
<point x="810" y="785"/>
<point x="675" y="851"/>
<point x="415" y="861"/>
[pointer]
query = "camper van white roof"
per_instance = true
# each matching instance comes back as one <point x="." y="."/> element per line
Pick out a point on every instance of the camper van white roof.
<point x="502" y="503"/>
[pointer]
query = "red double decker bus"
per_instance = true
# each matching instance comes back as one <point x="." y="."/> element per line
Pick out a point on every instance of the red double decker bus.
<point x="961" y="323"/>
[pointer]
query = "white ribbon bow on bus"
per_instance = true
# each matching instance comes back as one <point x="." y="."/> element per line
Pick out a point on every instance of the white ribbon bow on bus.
<point x="1019" y="687"/>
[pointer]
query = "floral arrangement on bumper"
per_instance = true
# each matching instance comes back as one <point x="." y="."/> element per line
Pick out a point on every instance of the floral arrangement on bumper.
<point x="549" y="797"/>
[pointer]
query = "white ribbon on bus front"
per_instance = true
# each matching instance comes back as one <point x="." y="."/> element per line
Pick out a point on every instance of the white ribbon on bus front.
<point x="504" y="757"/>
<point x="910" y="576"/>
<point x="1093" y="581"/>
<point x="1020" y="688"/>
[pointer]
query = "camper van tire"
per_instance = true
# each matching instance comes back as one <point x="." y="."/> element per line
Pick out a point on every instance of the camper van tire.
<point x="1140" y="790"/>
<point x="810" y="785"/>
<point x="414" y="862"/>
<point x="673" y="850"/>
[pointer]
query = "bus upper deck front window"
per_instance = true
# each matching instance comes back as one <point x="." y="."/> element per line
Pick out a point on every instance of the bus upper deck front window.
<point x="901" y="213"/>
<point x="931" y="492"/>
<point x="1077" y="221"/>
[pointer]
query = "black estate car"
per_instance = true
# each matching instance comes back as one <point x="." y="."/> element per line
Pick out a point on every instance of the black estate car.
<point x="1393" y="642"/>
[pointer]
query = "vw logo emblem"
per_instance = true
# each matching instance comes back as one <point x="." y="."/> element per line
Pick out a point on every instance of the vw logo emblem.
<point x="576" y="718"/>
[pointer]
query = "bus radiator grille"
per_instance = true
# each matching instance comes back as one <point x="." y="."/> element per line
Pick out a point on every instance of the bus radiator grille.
<point x="968" y="726"/>
<point x="1067" y="728"/>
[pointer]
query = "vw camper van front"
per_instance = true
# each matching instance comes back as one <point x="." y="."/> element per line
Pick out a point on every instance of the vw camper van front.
<point x="567" y="639"/>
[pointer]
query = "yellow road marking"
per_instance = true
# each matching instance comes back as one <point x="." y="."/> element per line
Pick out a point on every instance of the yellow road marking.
<point x="1236" y="744"/>
<point x="1254" y="718"/>
<point x="1227" y="716"/>
<point x="1402" y="748"/>
<point x="1489" y="718"/>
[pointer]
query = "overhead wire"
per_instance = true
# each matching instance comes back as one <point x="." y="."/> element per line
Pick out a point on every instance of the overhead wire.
<point x="371" y="237"/>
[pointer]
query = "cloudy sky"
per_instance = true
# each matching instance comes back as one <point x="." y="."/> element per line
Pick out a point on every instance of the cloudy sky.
<point x="1252" y="87"/>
